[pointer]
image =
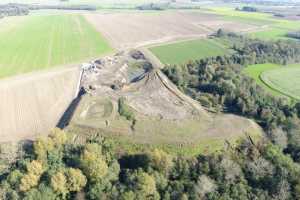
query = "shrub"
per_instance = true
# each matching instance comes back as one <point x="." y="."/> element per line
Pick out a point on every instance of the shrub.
<point x="124" y="110"/>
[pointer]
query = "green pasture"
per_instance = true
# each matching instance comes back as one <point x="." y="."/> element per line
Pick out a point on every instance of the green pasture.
<point x="43" y="41"/>
<point x="271" y="34"/>
<point x="181" y="52"/>
<point x="254" y="18"/>
<point x="285" y="80"/>
<point x="254" y="71"/>
<point x="282" y="81"/>
<point x="272" y="28"/>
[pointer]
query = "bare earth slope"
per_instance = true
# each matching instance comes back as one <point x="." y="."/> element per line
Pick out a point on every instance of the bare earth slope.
<point x="32" y="104"/>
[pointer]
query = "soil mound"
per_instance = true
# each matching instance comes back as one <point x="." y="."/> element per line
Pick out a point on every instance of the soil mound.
<point x="128" y="98"/>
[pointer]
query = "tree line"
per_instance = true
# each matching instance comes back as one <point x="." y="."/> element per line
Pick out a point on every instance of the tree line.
<point x="294" y="34"/>
<point x="54" y="167"/>
<point x="247" y="9"/>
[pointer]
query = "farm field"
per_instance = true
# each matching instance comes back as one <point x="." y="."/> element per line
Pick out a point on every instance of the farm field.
<point x="40" y="42"/>
<point x="181" y="52"/>
<point x="254" y="71"/>
<point x="253" y="18"/>
<point x="286" y="80"/>
<point x="272" y="33"/>
<point x="277" y="31"/>
<point x="136" y="29"/>
<point x="273" y="28"/>
<point x="279" y="80"/>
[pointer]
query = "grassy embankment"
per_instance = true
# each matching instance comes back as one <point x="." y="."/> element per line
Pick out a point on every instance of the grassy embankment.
<point x="40" y="42"/>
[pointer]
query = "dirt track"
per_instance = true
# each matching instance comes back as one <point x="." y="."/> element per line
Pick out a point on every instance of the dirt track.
<point x="32" y="104"/>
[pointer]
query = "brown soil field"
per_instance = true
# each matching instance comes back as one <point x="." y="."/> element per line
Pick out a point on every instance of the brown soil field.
<point x="32" y="104"/>
<point x="135" y="29"/>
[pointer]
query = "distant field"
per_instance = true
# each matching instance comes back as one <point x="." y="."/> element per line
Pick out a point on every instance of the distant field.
<point x="285" y="80"/>
<point x="274" y="28"/>
<point x="277" y="31"/>
<point x="272" y="33"/>
<point x="98" y="3"/>
<point x="181" y="52"/>
<point x="40" y="42"/>
<point x="248" y="17"/>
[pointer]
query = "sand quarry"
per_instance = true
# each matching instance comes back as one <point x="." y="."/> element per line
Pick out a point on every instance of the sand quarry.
<point x="136" y="29"/>
<point x="163" y="115"/>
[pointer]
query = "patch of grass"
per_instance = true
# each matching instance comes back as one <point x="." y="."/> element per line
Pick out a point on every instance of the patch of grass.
<point x="124" y="110"/>
<point x="205" y="146"/>
<point x="44" y="41"/>
<point x="182" y="137"/>
<point x="285" y="80"/>
<point x="181" y="52"/>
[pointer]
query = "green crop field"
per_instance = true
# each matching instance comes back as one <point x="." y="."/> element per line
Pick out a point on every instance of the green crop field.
<point x="181" y="52"/>
<point x="272" y="33"/>
<point x="39" y="42"/>
<point x="285" y="80"/>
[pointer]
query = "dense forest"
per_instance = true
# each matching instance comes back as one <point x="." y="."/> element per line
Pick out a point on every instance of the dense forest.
<point x="56" y="167"/>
